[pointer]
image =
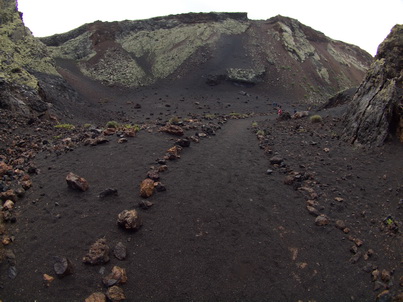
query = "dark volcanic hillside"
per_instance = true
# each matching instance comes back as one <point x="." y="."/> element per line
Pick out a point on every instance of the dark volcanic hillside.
<point x="151" y="161"/>
<point x="280" y="56"/>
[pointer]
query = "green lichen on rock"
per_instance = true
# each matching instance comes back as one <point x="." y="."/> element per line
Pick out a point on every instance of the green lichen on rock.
<point x="166" y="49"/>
<point x="78" y="48"/>
<point x="249" y="76"/>
<point x="346" y="58"/>
<point x="20" y="53"/>
<point x="116" y="67"/>
<point x="296" y="42"/>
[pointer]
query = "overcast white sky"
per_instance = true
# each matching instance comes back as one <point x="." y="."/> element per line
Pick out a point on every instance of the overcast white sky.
<point x="365" y="23"/>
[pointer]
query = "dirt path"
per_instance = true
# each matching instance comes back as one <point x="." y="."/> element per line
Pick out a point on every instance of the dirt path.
<point x="223" y="231"/>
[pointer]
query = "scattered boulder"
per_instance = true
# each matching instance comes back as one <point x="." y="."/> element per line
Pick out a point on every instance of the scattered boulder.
<point x="147" y="188"/>
<point x="115" y="294"/>
<point x="8" y="195"/>
<point x="322" y="220"/>
<point x="276" y="160"/>
<point x="153" y="174"/>
<point x="63" y="266"/>
<point x="117" y="276"/>
<point x="130" y="220"/>
<point x="173" y="153"/>
<point x="120" y="251"/>
<point x="76" y="182"/>
<point x="96" y="297"/>
<point x="289" y="180"/>
<point x="300" y="114"/>
<point x="172" y="129"/>
<point x="313" y="211"/>
<point x="183" y="142"/>
<point x="98" y="253"/>
<point x="340" y="224"/>
<point x="5" y="169"/>
<point x="96" y="141"/>
<point x="162" y="168"/>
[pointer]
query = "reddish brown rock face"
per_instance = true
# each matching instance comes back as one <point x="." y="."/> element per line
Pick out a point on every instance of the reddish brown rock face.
<point x="147" y="188"/>
<point x="76" y="182"/>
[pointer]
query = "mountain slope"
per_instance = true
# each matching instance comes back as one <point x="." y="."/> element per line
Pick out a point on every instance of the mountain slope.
<point x="280" y="54"/>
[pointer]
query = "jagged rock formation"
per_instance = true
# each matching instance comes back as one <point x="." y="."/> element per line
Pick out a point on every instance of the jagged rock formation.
<point x="29" y="81"/>
<point x="377" y="108"/>
<point x="280" y="54"/>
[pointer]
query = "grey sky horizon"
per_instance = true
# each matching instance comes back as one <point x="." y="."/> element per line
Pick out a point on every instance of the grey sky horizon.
<point x="362" y="23"/>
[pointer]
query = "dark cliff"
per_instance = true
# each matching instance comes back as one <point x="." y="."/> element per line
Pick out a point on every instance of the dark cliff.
<point x="377" y="106"/>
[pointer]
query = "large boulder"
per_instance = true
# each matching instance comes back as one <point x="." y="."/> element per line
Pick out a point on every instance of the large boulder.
<point x="377" y="108"/>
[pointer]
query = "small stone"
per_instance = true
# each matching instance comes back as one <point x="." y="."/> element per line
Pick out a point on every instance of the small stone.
<point x="47" y="279"/>
<point x="375" y="274"/>
<point x="8" y="205"/>
<point x="326" y="150"/>
<point x="183" y="142"/>
<point x="172" y="129"/>
<point x="159" y="187"/>
<point x="122" y="140"/>
<point x="153" y="174"/>
<point x="346" y="230"/>
<point x="96" y="297"/>
<point x="8" y="195"/>
<point x="312" y="211"/>
<point x="98" y="253"/>
<point x="339" y="199"/>
<point x="355" y="258"/>
<point x="289" y="180"/>
<point x="63" y="266"/>
<point x="12" y="272"/>
<point x="340" y="224"/>
<point x="276" y="160"/>
<point x="322" y="220"/>
<point x="115" y="294"/>
<point x="108" y="192"/>
<point x="5" y="169"/>
<point x="117" y="276"/>
<point x="173" y="153"/>
<point x="130" y="220"/>
<point x="145" y="204"/>
<point x="76" y="182"/>
<point x="354" y="249"/>
<point x="120" y="251"/>
<point x="162" y="168"/>
<point x="269" y="171"/>
<point x="385" y="275"/>
<point x="369" y="267"/>
<point x="147" y="188"/>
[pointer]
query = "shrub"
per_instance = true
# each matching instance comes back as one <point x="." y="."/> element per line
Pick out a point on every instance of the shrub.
<point x="65" y="126"/>
<point x="316" y="119"/>
<point x="135" y="127"/>
<point x="112" y="124"/>
<point x="174" y="120"/>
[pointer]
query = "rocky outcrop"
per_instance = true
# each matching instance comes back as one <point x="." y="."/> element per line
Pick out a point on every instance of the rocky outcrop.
<point x="279" y="54"/>
<point x="29" y="81"/>
<point x="377" y="108"/>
